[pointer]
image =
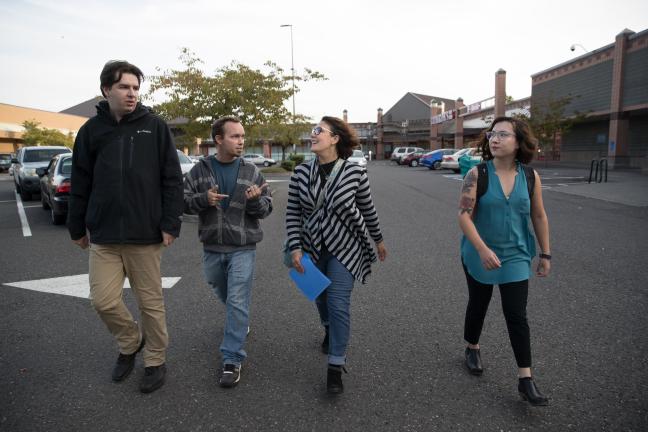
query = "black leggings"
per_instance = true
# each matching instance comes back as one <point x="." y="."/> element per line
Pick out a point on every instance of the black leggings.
<point x="514" y="301"/>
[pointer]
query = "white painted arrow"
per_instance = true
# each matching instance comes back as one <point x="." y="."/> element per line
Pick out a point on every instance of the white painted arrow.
<point x="76" y="286"/>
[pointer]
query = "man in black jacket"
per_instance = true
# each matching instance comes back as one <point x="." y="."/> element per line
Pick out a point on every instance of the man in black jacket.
<point x="125" y="203"/>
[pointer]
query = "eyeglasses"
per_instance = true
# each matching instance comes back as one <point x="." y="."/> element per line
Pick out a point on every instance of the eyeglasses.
<point x="318" y="130"/>
<point x="499" y="134"/>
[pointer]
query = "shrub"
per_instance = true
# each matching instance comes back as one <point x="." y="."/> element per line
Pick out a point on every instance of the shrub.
<point x="288" y="165"/>
<point x="297" y="158"/>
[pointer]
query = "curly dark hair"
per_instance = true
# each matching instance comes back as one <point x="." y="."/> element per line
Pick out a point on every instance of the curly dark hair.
<point x="523" y="134"/>
<point x="112" y="73"/>
<point x="348" y="140"/>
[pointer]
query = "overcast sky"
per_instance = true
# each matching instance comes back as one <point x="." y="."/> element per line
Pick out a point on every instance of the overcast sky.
<point x="373" y="52"/>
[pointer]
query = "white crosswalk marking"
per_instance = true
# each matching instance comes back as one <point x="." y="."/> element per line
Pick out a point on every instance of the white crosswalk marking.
<point x="75" y="286"/>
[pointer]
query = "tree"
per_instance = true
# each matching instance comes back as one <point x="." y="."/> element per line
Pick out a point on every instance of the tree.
<point x="285" y="134"/>
<point x="255" y="96"/>
<point x="548" y="120"/>
<point x="35" y="135"/>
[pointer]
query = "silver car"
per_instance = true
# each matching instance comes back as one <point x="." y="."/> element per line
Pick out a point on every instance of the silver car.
<point x="258" y="159"/>
<point x="25" y="164"/>
<point x="358" y="158"/>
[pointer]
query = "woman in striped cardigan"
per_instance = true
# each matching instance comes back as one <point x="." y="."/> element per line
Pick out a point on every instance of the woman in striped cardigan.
<point x="330" y="216"/>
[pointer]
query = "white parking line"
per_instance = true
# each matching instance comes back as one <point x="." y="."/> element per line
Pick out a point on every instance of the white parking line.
<point x="23" y="217"/>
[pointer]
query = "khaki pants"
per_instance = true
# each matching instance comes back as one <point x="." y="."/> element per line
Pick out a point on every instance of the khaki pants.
<point x="109" y="265"/>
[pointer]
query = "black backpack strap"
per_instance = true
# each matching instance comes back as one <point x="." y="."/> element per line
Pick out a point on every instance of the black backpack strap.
<point x="529" y="173"/>
<point x="482" y="180"/>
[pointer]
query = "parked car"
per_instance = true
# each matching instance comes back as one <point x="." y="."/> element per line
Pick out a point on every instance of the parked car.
<point x="258" y="159"/>
<point x="55" y="187"/>
<point x="25" y="164"/>
<point x="412" y="159"/>
<point x="358" y="157"/>
<point x="399" y="152"/>
<point x="452" y="161"/>
<point x="433" y="159"/>
<point x="5" y="162"/>
<point x="185" y="163"/>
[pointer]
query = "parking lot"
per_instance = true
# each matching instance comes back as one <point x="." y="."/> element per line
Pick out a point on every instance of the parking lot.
<point x="587" y="320"/>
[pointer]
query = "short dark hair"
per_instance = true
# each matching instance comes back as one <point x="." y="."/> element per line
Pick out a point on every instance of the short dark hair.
<point x="523" y="134"/>
<point x="348" y="140"/>
<point x="114" y="69"/>
<point x="218" y="127"/>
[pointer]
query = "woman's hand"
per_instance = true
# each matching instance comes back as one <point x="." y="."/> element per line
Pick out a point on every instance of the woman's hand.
<point x="296" y="260"/>
<point x="382" y="251"/>
<point x="544" y="266"/>
<point x="489" y="259"/>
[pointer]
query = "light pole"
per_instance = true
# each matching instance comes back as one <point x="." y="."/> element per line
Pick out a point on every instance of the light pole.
<point x="573" y="47"/>
<point x="292" y="65"/>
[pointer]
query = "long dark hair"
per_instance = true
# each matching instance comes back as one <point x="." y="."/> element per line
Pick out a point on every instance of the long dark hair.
<point x="523" y="134"/>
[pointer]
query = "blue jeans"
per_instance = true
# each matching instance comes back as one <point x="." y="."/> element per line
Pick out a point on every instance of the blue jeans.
<point x="230" y="275"/>
<point x="334" y="306"/>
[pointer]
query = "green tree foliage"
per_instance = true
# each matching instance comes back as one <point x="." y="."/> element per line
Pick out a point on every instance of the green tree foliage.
<point x="35" y="135"/>
<point x="547" y="119"/>
<point x="285" y="134"/>
<point x="255" y="96"/>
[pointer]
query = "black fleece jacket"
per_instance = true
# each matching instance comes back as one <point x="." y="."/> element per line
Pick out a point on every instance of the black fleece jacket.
<point x="126" y="179"/>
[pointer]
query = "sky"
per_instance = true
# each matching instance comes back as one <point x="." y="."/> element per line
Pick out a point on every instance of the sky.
<point x="372" y="52"/>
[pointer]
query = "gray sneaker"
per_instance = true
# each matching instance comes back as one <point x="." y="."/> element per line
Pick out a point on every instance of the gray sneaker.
<point x="231" y="375"/>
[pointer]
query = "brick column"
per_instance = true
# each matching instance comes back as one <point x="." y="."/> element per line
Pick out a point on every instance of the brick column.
<point x="267" y="149"/>
<point x="618" y="151"/>
<point x="500" y="93"/>
<point x="435" y="142"/>
<point x="345" y="116"/>
<point x="459" y="141"/>
<point x="380" y="146"/>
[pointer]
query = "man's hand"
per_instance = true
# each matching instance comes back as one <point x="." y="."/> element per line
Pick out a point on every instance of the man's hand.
<point x="83" y="242"/>
<point x="167" y="239"/>
<point x="213" y="197"/>
<point x="254" y="191"/>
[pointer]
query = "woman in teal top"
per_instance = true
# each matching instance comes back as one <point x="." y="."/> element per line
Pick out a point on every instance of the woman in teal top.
<point x="498" y="245"/>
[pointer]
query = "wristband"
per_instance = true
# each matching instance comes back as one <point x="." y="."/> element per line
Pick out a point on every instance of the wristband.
<point x="545" y="256"/>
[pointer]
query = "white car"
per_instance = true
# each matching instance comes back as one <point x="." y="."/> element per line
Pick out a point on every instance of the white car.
<point x="452" y="161"/>
<point x="358" y="158"/>
<point x="185" y="163"/>
<point x="258" y="159"/>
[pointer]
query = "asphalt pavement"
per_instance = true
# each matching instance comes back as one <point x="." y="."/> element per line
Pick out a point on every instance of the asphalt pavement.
<point x="588" y="325"/>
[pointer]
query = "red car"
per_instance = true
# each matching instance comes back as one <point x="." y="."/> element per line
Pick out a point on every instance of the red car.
<point x="412" y="159"/>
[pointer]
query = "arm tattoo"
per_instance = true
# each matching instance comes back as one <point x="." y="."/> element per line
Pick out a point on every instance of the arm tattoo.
<point x="469" y="182"/>
<point x="466" y="204"/>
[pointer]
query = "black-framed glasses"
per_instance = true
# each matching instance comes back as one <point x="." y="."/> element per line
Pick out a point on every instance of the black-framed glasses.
<point x="318" y="130"/>
<point x="499" y="134"/>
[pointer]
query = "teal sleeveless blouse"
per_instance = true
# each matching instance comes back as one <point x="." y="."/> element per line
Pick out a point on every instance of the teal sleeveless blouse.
<point x="503" y="225"/>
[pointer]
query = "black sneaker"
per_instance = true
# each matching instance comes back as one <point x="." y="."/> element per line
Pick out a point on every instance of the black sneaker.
<point x="325" y="342"/>
<point x="231" y="375"/>
<point x="154" y="377"/>
<point x="334" y="379"/>
<point x="125" y="363"/>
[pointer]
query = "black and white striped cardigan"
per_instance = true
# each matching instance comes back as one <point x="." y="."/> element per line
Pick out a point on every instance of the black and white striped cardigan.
<point x="344" y="222"/>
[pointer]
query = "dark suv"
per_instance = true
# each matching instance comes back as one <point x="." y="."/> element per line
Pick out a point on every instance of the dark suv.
<point x="5" y="161"/>
<point x="25" y="164"/>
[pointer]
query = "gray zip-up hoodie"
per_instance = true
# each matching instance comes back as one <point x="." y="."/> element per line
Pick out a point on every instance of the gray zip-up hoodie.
<point x="236" y="228"/>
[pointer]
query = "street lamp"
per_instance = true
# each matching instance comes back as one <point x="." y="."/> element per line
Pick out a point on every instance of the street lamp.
<point x="573" y="47"/>
<point x="292" y="65"/>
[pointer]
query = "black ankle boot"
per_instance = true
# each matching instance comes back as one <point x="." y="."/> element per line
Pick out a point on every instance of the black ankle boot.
<point x="325" y="342"/>
<point x="334" y="379"/>
<point x="473" y="361"/>
<point x="530" y="392"/>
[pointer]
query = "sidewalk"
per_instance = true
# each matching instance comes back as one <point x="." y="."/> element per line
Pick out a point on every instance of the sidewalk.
<point x="628" y="187"/>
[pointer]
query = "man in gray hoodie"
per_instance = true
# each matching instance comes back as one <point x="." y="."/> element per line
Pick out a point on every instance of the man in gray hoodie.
<point x="229" y="195"/>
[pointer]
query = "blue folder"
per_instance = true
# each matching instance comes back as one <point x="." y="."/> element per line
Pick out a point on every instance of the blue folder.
<point x="312" y="282"/>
